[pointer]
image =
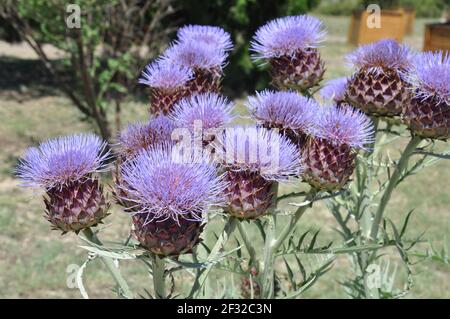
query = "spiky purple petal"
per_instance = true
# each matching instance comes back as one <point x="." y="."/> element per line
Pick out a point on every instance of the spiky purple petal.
<point x="334" y="90"/>
<point x="430" y="76"/>
<point x="195" y="55"/>
<point x="164" y="184"/>
<point x="344" y="126"/>
<point x="287" y="36"/>
<point x="256" y="149"/>
<point x="284" y="110"/>
<point x="213" y="110"/>
<point x="383" y="55"/>
<point x="143" y="135"/>
<point x="60" y="161"/>
<point x="211" y="35"/>
<point x="165" y="75"/>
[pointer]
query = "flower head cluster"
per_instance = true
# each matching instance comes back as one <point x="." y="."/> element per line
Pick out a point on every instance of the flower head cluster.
<point x="60" y="161"/>
<point x="284" y="110"/>
<point x="287" y="36"/>
<point x="258" y="150"/>
<point x="143" y="135"/>
<point x="164" y="184"/>
<point x="194" y="55"/>
<point x="430" y="76"/>
<point x="381" y="56"/>
<point x="334" y="90"/>
<point x="210" y="35"/>
<point x="343" y="126"/>
<point x="165" y="75"/>
<point x="213" y="110"/>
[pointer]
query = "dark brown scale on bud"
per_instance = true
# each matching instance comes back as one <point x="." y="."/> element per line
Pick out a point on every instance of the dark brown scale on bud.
<point x="428" y="118"/>
<point x="168" y="237"/>
<point x="300" y="72"/>
<point x="327" y="167"/>
<point x="205" y="81"/>
<point x="249" y="195"/>
<point x="380" y="94"/>
<point x="76" y="206"/>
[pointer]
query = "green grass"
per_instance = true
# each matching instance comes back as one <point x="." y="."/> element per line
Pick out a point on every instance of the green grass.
<point x="33" y="259"/>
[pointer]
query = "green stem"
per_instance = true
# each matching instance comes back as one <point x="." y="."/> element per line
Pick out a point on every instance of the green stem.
<point x="216" y="250"/>
<point x="293" y="221"/>
<point x="401" y="166"/>
<point x="159" y="280"/>
<point x="247" y="243"/>
<point x="273" y="242"/>
<point x="124" y="290"/>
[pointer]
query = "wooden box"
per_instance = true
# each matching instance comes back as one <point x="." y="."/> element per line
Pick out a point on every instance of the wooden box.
<point x="437" y="37"/>
<point x="410" y="18"/>
<point x="393" y="25"/>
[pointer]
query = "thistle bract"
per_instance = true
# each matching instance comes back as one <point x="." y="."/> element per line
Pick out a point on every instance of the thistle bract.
<point x="254" y="160"/>
<point x="328" y="155"/>
<point x="290" y="46"/>
<point x="377" y="87"/>
<point x="168" y="82"/>
<point x="428" y="113"/>
<point x="171" y="192"/>
<point x="65" y="168"/>
<point x="215" y="37"/>
<point x="289" y="112"/>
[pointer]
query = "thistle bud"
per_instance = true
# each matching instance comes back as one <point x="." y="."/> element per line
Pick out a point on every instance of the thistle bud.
<point x="66" y="169"/>
<point x="168" y="83"/>
<point x="205" y="61"/>
<point x="329" y="153"/>
<point x="254" y="160"/>
<point x="428" y="112"/>
<point x="289" y="44"/>
<point x="172" y="193"/>
<point x="377" y="87"/>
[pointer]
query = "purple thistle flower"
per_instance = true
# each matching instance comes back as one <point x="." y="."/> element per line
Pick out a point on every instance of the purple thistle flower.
<point x="430" y="76"/>
<point x="258" y="150"/>
<point x="283" y="110"/>
<point x="379" y="56"/>
<point x="60" y="161"/>
<point x="343" y="126"/>
<point x="195" y="55"/>
<point x="334" y="90"/>
<point x="287" y="36"/>
<point x="213" y="110"/>
<point x="165" y="184"/>
<point x="210" y="35"/>
<point x="143" y="135"/>
<point x="165" y="75"/>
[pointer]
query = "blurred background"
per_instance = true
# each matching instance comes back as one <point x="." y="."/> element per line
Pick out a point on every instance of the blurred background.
<point x="53" y="77"/>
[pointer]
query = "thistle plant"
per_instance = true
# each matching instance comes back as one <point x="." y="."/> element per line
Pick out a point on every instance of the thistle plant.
<point x="190" y="166"/>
